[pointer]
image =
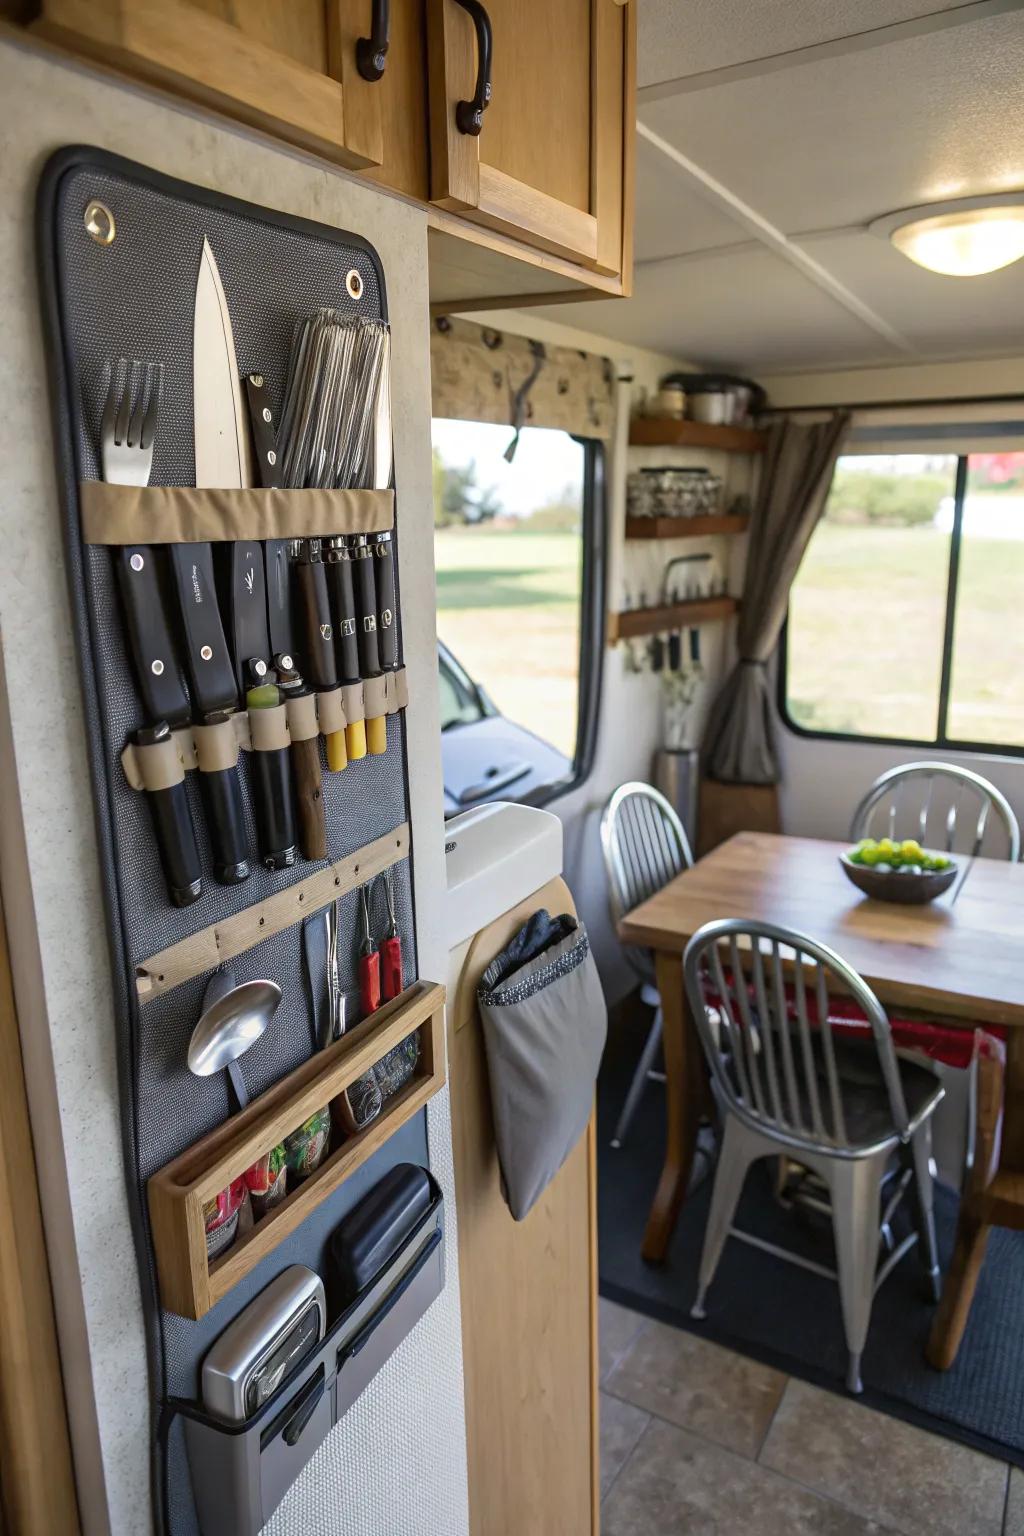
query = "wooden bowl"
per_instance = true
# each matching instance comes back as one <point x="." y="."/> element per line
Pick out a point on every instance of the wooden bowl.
<point x="894" y="885"/>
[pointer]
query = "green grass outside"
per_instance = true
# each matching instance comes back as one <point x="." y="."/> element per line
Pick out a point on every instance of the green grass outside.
<point x="865" y="635"/>
<point x="508" y="607"/>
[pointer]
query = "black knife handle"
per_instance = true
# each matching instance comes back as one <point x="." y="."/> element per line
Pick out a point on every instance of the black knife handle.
<point x="277" y="563"/>
<point x="149" y="633"/>
<point x="366" y="608"/>
<point x="176" y="839"/>
<point x="248" y="607"/>
<point x="264" y="438"/>
<point x="272" y="796"/>
<point x="342" y="591"/>
<point x="209" y="664"/>
<point x="387" y="608"/>
<point x="225" y="820"/>
<point x="318" y="629"/>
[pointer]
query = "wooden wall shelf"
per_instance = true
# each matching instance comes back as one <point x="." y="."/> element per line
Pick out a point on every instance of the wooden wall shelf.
<point x="189" y="1283"/>
<point x="637" y="622"/>
<point x="685" y="527"/>
<point x="666" y="432"/>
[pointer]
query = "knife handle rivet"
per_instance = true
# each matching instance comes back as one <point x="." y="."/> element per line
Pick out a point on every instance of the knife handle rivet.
<point x="256" y="380"/>
<point x="206" y="653"/>
<point x="137" y="562"/>
<point x="271" y="456"/>
<point x="157" y="668"/>
<point x="266" y="413"/>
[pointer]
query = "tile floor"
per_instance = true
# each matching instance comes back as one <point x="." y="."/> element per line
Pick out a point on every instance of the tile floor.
<point x="699" y="1441"/>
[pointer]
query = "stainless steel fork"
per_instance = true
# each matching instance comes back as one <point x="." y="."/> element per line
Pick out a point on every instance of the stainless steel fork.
<point x="128" y="429"/>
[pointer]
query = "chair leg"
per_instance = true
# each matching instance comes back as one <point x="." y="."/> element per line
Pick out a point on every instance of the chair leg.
<point x="739" y="1149"/>
<point x="924" y="1193"/>
<point x="639" y="1082"/>
<point x="856" y="1185"/>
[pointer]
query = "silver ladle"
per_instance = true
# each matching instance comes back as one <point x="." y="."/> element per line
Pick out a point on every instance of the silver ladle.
<point x="233" y="1018"/>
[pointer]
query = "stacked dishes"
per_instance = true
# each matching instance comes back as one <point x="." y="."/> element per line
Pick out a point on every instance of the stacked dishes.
<point x="666" y="491"/>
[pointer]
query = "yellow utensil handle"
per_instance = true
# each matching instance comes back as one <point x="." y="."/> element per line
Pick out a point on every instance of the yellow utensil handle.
<point x="377" y="735"/>
<point x="355" y="739"/>
<point x="337" y="757"/>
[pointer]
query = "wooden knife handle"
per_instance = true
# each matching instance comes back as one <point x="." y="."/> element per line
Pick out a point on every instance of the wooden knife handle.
<point x="309" y="798"/>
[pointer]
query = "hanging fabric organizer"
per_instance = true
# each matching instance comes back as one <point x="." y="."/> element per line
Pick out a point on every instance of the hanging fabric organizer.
<point x="120" y="249"/>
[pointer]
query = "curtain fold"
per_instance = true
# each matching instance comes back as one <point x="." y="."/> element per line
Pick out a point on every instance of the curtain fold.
<point x="739" y="743"/>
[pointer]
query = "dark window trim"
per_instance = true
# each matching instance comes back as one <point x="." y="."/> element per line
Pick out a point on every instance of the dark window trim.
<point x="941" y="739"/>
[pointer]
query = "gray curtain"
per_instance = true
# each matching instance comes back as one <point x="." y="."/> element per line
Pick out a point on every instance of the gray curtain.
<point x="739" y="745"/>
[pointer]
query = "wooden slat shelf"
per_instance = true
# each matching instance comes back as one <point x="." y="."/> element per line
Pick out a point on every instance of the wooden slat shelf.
<point x="685" y="527"/>
<point x="637" y="622"/>
<point x="190" y="1283"/>
<point x="666" y="432"/>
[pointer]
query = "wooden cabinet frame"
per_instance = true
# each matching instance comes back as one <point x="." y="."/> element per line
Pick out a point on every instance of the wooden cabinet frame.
<point x="336" y="114"/>
<point x="463" y="181"/>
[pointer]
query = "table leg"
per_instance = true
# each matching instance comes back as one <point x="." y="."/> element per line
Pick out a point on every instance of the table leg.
<point x="973" y="1224"/>
<point x="684" y="1091"/>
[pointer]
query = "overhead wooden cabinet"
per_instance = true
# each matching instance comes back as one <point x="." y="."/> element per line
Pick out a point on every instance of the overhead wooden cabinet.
<point x="530" y="135"/>
<point x="289" y="68"/>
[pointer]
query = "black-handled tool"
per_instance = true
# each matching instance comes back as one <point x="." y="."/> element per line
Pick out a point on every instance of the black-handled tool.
<point x="366" y="633"/>
<point x="342" y="594"/>
<point x="318" y="637"/>
<point x="172" y="821"/>
<point x="387" y="602"/>
<point x="270" y="771"/>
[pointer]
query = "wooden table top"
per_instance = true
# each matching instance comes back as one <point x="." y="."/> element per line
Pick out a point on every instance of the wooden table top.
<point x="958" y="959"/>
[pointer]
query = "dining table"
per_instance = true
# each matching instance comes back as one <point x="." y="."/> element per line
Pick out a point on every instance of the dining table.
<point x="958" y="960"/>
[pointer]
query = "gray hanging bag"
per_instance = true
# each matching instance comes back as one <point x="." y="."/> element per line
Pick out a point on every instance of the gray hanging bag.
<point x="544" y="1021"/>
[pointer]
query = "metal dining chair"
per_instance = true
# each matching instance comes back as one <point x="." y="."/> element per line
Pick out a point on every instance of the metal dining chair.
<point x="644" y="846"/>
<point x="904" y="799"/>
<point x="789" y="1079"/>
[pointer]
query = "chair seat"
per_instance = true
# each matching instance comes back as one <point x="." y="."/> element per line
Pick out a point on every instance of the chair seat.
<point x="866" y="1105"/>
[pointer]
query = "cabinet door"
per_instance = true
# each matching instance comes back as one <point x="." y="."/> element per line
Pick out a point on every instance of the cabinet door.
<point x="286" y="66"/>
<point x="550" y="162"/>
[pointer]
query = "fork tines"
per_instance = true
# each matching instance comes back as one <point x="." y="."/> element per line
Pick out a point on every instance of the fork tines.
<point x="128" y="428"/>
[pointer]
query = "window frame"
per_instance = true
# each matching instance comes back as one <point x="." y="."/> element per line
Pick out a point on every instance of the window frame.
<point x="593" y="619"/>
<point x="942" y="741"/>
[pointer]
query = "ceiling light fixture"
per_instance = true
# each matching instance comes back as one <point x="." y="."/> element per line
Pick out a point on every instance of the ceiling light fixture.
<point x="965" y="238"/>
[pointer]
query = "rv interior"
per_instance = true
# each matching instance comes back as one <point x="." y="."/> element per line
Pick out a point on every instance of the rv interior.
<point x="512" y="755"/>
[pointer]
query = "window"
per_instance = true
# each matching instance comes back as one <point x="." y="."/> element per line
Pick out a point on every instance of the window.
<point x="518" y="552"/>
<point x="905" y="616"/>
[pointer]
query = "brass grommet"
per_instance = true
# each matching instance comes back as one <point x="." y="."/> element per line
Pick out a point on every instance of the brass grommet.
<point x="100" y="224"/>
<point x="354" y="284"/>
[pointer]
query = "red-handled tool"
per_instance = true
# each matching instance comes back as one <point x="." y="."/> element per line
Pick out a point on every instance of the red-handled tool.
<point x="369" y="964"/>
<point x="391" y="948"/>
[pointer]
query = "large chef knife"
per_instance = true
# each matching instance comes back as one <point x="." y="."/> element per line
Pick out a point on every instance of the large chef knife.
<point x="223" y="460"/>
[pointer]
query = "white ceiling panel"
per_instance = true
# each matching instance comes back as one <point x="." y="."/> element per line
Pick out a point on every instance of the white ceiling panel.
<point x="940" y="316"/>
<point x="840" y="141"/>
<point x="746" y="309"/>
<point x="677" y="40"/>
<point x="670" y="218"/>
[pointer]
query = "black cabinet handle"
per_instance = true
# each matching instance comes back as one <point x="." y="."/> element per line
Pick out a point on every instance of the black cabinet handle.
<point x="469" y="115"/>
<point x="371" y="52"/>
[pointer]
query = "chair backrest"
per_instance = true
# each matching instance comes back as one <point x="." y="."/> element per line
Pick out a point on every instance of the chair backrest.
<point x="957" y="802"/>
<point x="759" y="995"/>
<point x="644" y="847"/>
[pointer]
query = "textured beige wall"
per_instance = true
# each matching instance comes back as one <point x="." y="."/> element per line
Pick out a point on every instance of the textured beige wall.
<point x="396" y="1464"/>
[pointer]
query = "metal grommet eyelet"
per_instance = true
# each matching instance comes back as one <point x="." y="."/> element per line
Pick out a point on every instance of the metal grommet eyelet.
<point x="100" y="224"/>
<point x="353" y="284"/>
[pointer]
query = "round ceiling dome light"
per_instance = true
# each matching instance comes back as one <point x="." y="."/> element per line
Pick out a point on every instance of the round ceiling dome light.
<point x="966" y="238"/>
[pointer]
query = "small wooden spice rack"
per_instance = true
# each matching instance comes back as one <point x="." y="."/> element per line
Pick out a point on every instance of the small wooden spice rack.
<point x="686" y="527"/>
<point x="634" y="623"/>
<point x="190" y="1283"/>
<point x="667" y="432"/>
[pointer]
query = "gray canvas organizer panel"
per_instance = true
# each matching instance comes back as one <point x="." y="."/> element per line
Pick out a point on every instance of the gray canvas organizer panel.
<point x="134" y="299"/>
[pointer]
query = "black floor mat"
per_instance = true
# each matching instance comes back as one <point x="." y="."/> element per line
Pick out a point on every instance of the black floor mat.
<point x="788" y="1317"/>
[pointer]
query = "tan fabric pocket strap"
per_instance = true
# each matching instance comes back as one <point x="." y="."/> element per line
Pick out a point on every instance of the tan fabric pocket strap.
<point x="302" y="720"/>
<point x="181" y="514"/>
<point x="397" y="690"/>
<point x="352" y="702"/>
<point x="330" y="708"/>
<point x="269" y="729"/>
<point x="375" y="696"/>
<point x="216" y="745"/>
<point x="159" y="766"/>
